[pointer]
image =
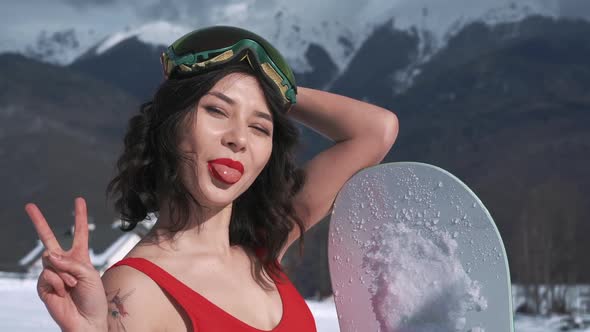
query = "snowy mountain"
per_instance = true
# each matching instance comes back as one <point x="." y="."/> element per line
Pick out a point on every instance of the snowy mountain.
<point x="310" y="42"/>
<point x="158" y="33"/>
<point x="60" y="47"/>
<point x="340" y="28"/>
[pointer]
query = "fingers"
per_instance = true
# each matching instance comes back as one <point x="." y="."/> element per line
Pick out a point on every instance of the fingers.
<point x="50" y="282"/>
<point x="78" y="270"/>
<point x="81" y="228"/>
<point x="66" y="277"/>
<point x="43" y="230"/>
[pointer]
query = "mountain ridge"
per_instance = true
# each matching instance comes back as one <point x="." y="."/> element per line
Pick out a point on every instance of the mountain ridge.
<point x="292" y="29"/>
<point x="502" y="107"/>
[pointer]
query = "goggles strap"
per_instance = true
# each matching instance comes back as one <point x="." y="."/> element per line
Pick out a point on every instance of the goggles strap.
<point x="272" y="74"/>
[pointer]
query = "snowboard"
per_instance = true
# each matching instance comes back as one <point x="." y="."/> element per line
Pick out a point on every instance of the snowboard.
<point x="412" y="248"/>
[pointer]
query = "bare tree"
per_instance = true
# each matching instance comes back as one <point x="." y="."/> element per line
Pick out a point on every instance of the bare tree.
<point x="548" y="225"/>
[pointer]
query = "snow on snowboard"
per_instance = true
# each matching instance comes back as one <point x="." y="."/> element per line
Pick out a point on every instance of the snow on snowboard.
<point x="413" y="249"/>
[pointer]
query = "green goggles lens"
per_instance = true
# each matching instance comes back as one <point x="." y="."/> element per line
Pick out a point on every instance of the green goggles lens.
<point x="186" y="56"/>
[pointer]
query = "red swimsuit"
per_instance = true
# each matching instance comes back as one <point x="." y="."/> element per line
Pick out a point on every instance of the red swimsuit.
<point x="207" y="317"/>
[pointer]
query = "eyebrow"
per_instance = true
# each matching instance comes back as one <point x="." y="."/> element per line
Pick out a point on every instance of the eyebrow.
<point x="222" y="97"/>
<point x="233" y="102"/>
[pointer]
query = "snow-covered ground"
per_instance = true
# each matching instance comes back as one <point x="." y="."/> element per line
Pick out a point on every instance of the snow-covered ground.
<point x="21" y="310"/>
<point x="538" y="324"/>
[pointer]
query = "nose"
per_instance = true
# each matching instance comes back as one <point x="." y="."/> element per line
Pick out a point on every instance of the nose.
<point x="235" y="138"/>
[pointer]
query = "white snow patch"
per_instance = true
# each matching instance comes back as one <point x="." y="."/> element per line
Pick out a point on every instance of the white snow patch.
<point x="407" y="268"/>
<point x="156" y="33"/>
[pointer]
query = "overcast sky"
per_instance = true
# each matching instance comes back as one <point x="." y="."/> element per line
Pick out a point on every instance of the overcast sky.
<point x="22" y="20"/>
<point x="575" y="8"/>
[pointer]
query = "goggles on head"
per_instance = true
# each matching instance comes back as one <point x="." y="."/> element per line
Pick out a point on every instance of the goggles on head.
<point x="203" y="49"/>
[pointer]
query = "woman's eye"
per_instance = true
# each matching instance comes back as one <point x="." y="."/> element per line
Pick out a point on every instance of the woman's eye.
<point x="262" y="130"/>
<point x="217" y="111"/>
<point x="214" y="110"/>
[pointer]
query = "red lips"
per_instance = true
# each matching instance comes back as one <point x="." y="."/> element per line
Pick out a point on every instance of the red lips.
<point x="226" y="170"/>
<point x="229" y="163"/>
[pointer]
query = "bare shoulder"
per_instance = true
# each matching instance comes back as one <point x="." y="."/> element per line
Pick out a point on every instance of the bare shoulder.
<point x="133" y="300"/>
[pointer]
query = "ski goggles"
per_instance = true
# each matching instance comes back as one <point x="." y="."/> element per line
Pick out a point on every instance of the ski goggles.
<point x="186" y="57"/>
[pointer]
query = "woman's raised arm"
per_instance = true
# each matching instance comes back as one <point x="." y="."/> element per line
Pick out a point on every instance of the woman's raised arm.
<point x="363" y="133"/>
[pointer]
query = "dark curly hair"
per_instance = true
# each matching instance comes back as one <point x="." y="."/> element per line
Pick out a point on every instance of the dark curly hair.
<point x="149" y="170"/>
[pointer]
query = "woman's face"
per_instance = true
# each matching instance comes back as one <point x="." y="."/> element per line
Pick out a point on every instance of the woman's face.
<point x="232" y="121"/>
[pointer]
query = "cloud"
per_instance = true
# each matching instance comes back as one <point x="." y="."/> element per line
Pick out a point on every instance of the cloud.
<point x="160" y="10"/>
<point x="186" y="11"/>
<point x="575" y="8"/>
<point x="83" y="4"/>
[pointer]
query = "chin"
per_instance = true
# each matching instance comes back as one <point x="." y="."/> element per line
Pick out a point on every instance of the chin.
<point x="218" y="194"/>
<point x="212" y="196"/>
<point x="218" y="199"/>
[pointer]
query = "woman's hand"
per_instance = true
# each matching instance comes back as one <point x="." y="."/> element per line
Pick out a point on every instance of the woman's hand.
<point x="69" y="285"/>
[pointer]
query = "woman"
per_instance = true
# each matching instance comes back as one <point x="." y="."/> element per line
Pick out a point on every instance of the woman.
<point x="212" y="156"/>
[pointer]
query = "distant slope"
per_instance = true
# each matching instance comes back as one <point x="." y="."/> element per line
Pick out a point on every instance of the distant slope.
<point x="130" y="65"/>
<point x="511" y="118"/>
<point x="60" y="132"/>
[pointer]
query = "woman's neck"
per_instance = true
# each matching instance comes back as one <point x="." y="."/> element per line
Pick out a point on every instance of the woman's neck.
<point x="206" y="233"/>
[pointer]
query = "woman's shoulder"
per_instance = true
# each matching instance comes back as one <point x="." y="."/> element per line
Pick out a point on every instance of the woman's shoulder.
<point x="135" y="301"/>
<point x="124" y="273"/>
<point x="130" y="272"/>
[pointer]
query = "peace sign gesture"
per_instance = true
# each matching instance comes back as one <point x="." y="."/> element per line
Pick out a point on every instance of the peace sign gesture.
<point x="69" y="285"/>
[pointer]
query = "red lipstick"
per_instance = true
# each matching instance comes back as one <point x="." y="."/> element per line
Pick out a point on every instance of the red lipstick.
<point x="229" y="163"/>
